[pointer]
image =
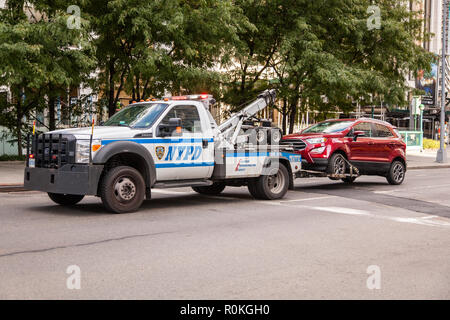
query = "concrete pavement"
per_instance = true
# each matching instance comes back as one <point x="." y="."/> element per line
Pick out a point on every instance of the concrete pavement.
<point x="318" y="242"/>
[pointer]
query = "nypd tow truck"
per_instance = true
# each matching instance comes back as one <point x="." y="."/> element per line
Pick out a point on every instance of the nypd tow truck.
<point x="173" y="142"/>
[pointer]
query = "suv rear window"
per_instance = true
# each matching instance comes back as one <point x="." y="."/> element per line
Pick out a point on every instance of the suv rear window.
<point x="364" y="126"/>
<point x="382" y="131"/>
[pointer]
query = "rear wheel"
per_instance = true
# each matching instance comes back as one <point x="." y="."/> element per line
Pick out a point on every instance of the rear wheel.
<point x="65" y="199"/>
<point x="270" y="187"/>
<point x="214" y="189"/>
<point x="396" y="173"/>
<point x="122" y="190"/>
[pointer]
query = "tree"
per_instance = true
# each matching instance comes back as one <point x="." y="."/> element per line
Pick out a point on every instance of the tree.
<point x="330" y="58"/>
<point x="41" y="58"/>
<point x="148" y="48"/>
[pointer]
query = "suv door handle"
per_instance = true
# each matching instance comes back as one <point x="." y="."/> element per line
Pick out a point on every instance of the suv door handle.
<point x="205" y="143"/>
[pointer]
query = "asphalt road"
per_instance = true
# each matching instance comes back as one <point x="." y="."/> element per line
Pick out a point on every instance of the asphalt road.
<point x="316" y="243"/>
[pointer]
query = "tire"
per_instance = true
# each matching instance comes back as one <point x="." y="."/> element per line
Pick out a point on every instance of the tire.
<point x="122" y="190"/>
<point x="396" y="173"/>
<point x="212" y="190"/>
<point x="65" y="199"/>
<point x="337" y="165"/>
<point x="348" y="179"/>
<point x="270" y="187"/>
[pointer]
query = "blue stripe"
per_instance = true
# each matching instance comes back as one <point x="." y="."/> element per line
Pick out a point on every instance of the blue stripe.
<point x="184" y="165"/>
<point x="173" y="140"/>
<point x="248" y="154"/>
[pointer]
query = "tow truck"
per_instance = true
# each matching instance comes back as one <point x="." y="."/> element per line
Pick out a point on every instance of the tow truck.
<point x="167" y="143"/>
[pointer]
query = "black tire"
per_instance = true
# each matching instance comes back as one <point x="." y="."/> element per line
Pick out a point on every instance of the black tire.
<point x="270" y="187"/>
<point x="396" y="173"/>
<point x="122" y="190"/>
<point x="349" y="179"/>
<point x="212" y="190"/>
<point x="337" y="165"/>
<point x="65" y="199"/>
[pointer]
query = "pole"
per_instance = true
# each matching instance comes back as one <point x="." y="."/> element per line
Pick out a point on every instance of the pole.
<point x="441" y="155"/>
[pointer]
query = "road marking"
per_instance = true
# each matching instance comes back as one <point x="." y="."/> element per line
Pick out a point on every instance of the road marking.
<point x="308" y="199"/>
<point x="344" y="211"/>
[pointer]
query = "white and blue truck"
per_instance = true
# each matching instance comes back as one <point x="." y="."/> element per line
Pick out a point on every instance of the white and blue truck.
<point x="172" y="142"/>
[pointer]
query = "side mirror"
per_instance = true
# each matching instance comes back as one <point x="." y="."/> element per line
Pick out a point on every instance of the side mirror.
<point x="357" y="134"/>
<point x="173" y="128"/>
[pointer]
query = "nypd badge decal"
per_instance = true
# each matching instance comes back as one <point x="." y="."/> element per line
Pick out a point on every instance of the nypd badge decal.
<point x="160" y="151"/>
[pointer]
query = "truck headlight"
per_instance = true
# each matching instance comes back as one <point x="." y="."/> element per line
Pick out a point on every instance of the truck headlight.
<point x="82" y="150"/>
<point x="316" y="140"/>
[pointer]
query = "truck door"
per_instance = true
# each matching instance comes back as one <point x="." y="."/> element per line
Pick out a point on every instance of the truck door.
<point x="182" y="157"/>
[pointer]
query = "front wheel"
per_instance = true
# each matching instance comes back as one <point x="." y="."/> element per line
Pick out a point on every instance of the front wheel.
<point x="122" y="190"/>
<point x="270" y="187"/>
<point x="212" y="190"/>
<point x="396" y="173"/>
<point x="65" y="199"/>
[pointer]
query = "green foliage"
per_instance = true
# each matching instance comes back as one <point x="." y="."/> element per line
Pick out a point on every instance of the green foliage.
<point x="8" y="157"/>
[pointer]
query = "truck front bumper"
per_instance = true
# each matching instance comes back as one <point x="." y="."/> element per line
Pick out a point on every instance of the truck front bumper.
<point x="70" y="179"/>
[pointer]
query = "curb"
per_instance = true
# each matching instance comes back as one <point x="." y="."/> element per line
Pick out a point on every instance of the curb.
<point x="444" y="166"/>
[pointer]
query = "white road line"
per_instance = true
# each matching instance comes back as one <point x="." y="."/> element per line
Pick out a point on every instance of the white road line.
<point x="308" y="199"/>
<point x="344" y="211"/>
<point x="165" y="191"/>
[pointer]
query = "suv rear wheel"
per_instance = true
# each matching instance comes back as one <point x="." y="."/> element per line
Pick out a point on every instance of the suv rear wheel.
<point x="65" y="199"/>
<point x="122" y="190"/>
<point x="396" y="173"/>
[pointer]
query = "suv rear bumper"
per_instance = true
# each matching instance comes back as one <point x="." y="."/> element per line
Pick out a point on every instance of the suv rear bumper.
<point x="70" y="179"/>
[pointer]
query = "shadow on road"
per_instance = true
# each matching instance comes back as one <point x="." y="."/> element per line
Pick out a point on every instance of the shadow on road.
<point x="353" y="192"/>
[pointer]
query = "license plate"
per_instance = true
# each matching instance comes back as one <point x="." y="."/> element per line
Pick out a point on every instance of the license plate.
<point x="31" y="163"/>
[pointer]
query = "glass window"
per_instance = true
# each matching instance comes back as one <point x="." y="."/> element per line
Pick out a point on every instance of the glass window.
<point x="190" y="119"/>
<point x="364" y="126"/>
<point x="382" y="131"/>
<point x="328" y="127"/>
<point x="137" y="116"/>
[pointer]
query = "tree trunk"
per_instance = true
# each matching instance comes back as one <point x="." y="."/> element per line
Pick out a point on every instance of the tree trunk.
<point x="19" y="128"/>
<point x="292" y="114"/>
<point x="51" y="113"/>
<point x="284" y="114"/>
<point x="111" y="105"/>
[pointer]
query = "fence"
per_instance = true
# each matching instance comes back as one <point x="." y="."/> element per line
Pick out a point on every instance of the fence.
<point x="7" y="147"/>
<point x="413" y="139"/>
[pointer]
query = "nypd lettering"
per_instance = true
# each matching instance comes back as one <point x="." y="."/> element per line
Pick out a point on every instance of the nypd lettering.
<point x="178" y="153"/>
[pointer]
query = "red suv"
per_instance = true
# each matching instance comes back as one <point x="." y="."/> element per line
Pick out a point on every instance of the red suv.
<point x="374" y="147"/>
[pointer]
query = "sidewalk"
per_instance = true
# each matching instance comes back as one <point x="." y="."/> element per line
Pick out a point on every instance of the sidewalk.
<point x="11" y="172"/>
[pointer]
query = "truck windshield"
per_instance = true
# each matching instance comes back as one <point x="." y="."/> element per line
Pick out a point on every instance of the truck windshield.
<point x="328" y="127"/>
<point x="138" y="116"/>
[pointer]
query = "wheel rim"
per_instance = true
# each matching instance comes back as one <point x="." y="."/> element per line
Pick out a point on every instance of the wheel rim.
<point x="276" y="182"/>
<point x="124" y="189"/>
<point x="339" y="165"/>
<point x="398" y="172"/>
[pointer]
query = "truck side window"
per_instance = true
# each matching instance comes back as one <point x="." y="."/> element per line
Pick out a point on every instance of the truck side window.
<point x="382" y="131"/>
<point x="366" y="127"/>
<point x="190" y="119"/>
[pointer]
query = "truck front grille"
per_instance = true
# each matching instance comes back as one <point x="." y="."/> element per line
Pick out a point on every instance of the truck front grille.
<point x="296" y="144"/>
<point x="52" y="150"/>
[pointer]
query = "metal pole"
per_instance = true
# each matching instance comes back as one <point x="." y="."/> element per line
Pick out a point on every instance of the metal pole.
<point x="441" y="155"/>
